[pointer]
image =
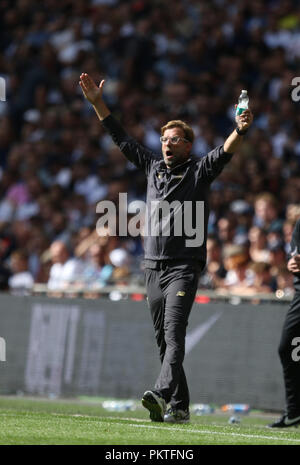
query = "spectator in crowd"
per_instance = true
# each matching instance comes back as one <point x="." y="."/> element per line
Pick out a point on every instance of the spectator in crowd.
<point x="121" y="260"/>
<point x="287" y="232"/>
<point x="277" y="258"/>
<point x="293" y="212"/>
<point x="97" y="270"/>
<point x="214" y="272"/>
<point x="258" y="249"/>
<point x="266" y="212"/>
<point x="226" y="230"/>
<point x="21" y="280"/>
<point x="236" y="263"/>
<point x="263" y="281"/>
<point x="284" y="282"/>
<point x="65" y="269"/>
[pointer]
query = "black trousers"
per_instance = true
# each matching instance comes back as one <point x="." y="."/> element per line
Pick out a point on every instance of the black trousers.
<point x="290" y="365"/>
<point x="171" y="288"/>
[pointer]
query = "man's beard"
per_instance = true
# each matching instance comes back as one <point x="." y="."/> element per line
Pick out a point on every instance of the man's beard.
<point x="174" y="161"/>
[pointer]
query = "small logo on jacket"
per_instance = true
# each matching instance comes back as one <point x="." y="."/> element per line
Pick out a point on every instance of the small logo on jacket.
<point x="180" y="294"/>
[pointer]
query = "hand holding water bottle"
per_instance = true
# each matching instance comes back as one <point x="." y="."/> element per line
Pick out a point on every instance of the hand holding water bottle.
<point x="243" y="115"/>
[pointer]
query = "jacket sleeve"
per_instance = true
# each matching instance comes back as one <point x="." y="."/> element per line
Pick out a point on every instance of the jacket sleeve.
<point x="213" y="163"/>
<point x="135" y="152"/>
<point x="295" y="241"/>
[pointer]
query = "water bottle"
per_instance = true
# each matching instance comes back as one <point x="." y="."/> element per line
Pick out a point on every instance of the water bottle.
<point x="234" y="420"/>
<point x="118" y="406"/>
<point x="243" y="103"/>
<point x="202" y="409"/>
<point x="236" y="408"/>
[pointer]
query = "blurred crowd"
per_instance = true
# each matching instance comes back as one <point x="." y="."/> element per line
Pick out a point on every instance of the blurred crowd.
<point x="162" y="60"/>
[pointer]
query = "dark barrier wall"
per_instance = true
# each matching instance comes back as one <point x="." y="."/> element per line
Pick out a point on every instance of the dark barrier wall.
<point x="68" y="347"/>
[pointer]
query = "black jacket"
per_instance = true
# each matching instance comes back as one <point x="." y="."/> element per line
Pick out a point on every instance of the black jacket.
<point x="295" y="250"/>
<point x="187" y="184"/>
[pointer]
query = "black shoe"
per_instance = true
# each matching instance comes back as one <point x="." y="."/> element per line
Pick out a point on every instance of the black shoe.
<point x="177" y="416"/>
<point x="155" y="404"/>
<point x="285" y="422"/>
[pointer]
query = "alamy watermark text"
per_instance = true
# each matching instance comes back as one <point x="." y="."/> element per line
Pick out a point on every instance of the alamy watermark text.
<point x="158" y="218"/>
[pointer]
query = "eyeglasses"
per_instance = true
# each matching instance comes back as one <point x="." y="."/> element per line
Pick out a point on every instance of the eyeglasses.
<point x="174" y="140"/>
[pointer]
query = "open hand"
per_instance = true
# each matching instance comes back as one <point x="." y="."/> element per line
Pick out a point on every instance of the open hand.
<point x="90" y="90"/>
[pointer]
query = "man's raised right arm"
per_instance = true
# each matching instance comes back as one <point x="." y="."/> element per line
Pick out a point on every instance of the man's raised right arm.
<point x="133" y="150"/>
<point x="94" y="95"/>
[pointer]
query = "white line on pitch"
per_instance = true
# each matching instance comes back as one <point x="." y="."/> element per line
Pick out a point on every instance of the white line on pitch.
<point x="251" y="436"/>
<point x="188" y="430"/>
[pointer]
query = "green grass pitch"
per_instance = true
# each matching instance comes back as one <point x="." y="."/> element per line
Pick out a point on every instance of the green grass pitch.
<point x="30" y="421"/>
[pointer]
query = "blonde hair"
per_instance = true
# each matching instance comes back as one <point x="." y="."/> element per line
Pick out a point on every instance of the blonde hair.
<point x="267" y="197"/>
<point x="177" y="123"/>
